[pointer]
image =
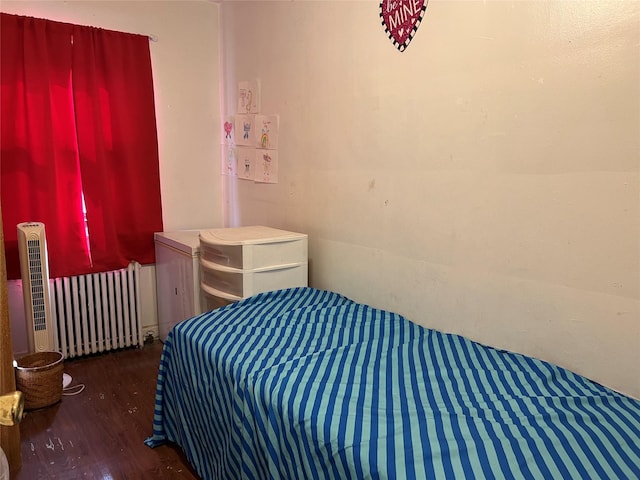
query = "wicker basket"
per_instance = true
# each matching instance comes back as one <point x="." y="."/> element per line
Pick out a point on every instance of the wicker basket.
<point x="39" y="378"/>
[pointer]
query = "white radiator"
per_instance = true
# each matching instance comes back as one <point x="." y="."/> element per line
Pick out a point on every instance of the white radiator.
<point x="97" y="312"/>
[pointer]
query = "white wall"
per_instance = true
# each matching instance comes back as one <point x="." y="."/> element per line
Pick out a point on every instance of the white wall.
<point x="483" y="182"/>
<point x="186" y="75"/>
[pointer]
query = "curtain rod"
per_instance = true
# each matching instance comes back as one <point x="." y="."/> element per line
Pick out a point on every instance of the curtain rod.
<point x="152" y="37"/>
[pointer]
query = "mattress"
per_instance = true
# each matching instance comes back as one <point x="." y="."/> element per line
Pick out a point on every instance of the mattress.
<point x="305" y="383"/>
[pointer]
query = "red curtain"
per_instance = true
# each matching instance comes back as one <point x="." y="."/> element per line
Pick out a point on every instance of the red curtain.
<point x="78" y="116"/>
<point x="117" y="141"/>
<point x="40" y="172"/>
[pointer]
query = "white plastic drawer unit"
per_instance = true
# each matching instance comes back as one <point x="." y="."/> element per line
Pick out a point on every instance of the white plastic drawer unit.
<point x="240" y="262"/>
<point x="249" y="248"/>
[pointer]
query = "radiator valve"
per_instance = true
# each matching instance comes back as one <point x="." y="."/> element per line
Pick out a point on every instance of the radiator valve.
<point x="148" y="338"/>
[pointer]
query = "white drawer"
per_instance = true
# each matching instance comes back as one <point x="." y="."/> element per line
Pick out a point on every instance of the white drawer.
<point x="212" y="299"/>
<point x="250" y="248"/>
<point x="234" y="283"/>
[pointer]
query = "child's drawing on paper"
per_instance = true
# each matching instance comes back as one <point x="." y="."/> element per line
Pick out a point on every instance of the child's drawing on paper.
<point x="228" y="128"/>
<point x="266" y="163"/>
<point x="264" y="136"/>
<point x="244" y="125"/>
<point x="229" y="161"/>
<point x="245" y="162"/>
<point x="266" y="127"/>
<point x="268" y="166"/>
<point x="248" y="97"/>
<point x="228" y="131"/>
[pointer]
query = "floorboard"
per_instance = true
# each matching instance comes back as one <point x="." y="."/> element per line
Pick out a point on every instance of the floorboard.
<point x="99" y="433"/>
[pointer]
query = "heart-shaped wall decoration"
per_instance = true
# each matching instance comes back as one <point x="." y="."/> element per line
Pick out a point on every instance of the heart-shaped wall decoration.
<point x="401" y="19"/>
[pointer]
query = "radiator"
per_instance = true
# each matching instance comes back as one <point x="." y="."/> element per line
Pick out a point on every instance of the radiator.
<point x="97" y="312"/>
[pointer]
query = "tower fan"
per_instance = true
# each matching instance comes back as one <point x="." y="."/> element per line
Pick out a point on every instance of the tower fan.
<point x="34" y="269"/>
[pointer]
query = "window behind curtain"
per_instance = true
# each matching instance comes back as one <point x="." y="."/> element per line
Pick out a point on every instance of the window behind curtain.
<point x="77" y="117"/>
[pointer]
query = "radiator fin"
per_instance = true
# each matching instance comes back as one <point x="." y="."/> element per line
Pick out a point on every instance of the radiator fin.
<point x="98" y="312"/>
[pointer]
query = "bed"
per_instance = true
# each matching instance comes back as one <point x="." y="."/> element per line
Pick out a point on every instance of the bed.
<point x="305" y="383"/>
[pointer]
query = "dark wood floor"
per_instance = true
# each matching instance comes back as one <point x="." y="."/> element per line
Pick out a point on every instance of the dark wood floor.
<point x="99" y="433"/>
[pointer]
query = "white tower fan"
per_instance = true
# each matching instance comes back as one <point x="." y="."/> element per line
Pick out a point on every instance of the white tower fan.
<point x="34" y="269"/>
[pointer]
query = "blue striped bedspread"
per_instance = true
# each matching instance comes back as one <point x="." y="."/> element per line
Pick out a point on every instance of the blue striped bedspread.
<point x="304" y="383"/>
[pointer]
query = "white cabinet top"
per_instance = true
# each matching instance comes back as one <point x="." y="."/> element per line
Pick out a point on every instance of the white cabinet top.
<point x="187" y="241"/>
<point x="247" y="235"/>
